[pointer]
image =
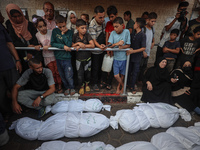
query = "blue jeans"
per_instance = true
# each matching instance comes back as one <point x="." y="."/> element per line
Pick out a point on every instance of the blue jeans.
<point x="134" y="68"/>
<point x="66" y="73"/>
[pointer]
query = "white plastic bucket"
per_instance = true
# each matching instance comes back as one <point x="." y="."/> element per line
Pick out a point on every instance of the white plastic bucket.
<point x="107" y="63"/>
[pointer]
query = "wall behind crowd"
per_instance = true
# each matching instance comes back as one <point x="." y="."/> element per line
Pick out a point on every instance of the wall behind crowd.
<point x="163" y="8"/>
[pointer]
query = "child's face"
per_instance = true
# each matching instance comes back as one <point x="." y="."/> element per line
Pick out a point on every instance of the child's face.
<point x="118" y="27"/>
<point x="112" y="17"/>
<point x="73" y="19"/>
<point x="173" y="36"/>
<point x="135" y="26"/>
<point x="62" y="26"/>
<point x="82" y="29"/>
<point x="84" y="18"/>
<point x="151" y="22"/>
<point x="42" y="27"/>
<point x="126" y="17"/>
<point x="197" y="35"/>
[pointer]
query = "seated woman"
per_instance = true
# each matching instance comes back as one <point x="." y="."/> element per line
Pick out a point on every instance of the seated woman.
<point x="156" y="83"/>
<point x="181" y="93"/>
<point x="22" y="33"/>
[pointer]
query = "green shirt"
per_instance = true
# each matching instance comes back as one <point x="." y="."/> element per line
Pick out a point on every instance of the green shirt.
<point x="130" y="24"/>
<point x="58" y="40"/>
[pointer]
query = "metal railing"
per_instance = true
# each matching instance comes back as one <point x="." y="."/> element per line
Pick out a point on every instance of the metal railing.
<point x="90" y="49"/>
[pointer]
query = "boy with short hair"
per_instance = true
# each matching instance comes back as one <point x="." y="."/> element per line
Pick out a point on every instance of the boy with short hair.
<point x="149" y="31"/>
<point x="171" y="48"/>
<point x="108" y="77"/>
<point x="119" y="38"/>
<point x="97" y="32"/>
<point x="62" y="38"/>
<point x="130" y="23"/>
<point x="138" y="45"/>
<point x="85" y="17"/>
<point x="83" y="40"/>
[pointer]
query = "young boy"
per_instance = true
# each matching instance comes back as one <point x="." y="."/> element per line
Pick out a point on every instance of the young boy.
<point x="83" y="40"/>
<point x="189" y="46"/>
<point x="171" y="48"/>
<point x="108" y="77"/>
<point x="138" y="45"/>
<point x="130" y="23"/>
<point x="62" y="38"/>
<point x="149" y="31"/>
<point x="119" y="38"/>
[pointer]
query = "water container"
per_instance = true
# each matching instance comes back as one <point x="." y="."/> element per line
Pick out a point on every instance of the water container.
<point x="107" y="63"/>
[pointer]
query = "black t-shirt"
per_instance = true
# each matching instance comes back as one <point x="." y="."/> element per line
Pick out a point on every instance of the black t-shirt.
<point x="6" y="61"/>
<point x="189" y="46"/>
<point x="171" y="45"/>
<point x="138" y="40"/>
<point x="81" y="54"/>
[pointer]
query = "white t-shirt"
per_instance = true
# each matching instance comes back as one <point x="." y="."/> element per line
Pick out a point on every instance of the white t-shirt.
<point x="166" y="35"/>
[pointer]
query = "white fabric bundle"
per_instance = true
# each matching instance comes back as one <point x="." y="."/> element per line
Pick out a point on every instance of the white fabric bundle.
<point x="62" y="124"/>
<point x="138" y="145"/>
<point x="90" y="105"/>
<point x="27" y="128"/>
<point x="185" y="136"/>
<point x="60" y="145"/>
<point x="145" y="115"/>
<point x="178" y="138"/>
<point x="165" y="141"/>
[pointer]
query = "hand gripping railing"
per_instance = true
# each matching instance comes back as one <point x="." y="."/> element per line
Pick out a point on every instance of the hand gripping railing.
<point x="90" y="49"/>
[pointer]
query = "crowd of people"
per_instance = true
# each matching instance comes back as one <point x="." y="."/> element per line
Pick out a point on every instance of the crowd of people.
<point x="173" y="79"/>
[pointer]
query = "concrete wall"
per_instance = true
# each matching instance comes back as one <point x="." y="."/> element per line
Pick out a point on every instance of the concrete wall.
<point x="163" y="8"/>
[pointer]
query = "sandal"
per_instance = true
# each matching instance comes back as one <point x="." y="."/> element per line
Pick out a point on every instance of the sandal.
<point x="102" y="85"/>
<point x="59" y="91"/>
<point x="134" y="91"/>
<point x="109" y="87"/>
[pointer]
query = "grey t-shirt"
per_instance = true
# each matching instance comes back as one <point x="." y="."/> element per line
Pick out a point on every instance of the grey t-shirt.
<point x="149" y="39"/>
<point x="39" y="82"/>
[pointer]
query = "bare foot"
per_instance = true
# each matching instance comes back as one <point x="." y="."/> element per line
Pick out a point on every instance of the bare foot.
<point x="122" y="91"/>
<point x="118" y="89"/>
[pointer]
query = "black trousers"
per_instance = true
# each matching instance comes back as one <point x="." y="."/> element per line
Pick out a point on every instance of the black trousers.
<point x="96" y="67"/>
<point x="143" y="67"/>
<point x="7" y="80"/>
<point x="83" y="71"/>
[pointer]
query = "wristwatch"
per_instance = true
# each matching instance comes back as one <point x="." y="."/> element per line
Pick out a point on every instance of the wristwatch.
<point x="41" y="96"/>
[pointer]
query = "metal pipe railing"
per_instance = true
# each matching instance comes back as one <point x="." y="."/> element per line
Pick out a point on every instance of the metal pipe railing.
<point x="90" y="49"/>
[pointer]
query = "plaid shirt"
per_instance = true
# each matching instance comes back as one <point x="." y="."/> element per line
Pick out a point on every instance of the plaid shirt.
<point x="95" y="30"/>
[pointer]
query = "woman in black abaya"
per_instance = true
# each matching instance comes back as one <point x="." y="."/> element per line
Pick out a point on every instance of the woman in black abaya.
<point x="156" y="84"/>
<point x="181" y="89"/>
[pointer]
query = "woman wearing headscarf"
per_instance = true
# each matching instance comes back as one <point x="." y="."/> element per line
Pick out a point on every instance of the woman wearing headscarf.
<point x="22" y="33"/>
<point x="156" y="83"/>
<point x="181" y="90"/>
<point x="71" y="21"/>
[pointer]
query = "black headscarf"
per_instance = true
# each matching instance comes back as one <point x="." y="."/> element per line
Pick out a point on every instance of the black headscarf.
<point x="162" y="74"/>
<point x="187" y="70"/>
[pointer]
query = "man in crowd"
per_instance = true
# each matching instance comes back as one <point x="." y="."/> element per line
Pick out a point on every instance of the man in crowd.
<point x="39" y="88"/>
<point x="48" y="9"/>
